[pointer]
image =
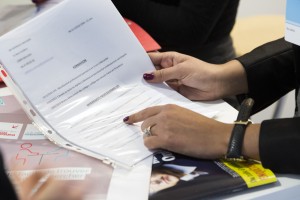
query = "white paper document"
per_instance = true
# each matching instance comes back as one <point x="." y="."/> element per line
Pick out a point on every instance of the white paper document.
<point x="77" y="70"/>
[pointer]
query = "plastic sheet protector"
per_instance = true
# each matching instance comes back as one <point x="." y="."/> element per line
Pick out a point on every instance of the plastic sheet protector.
<point x="77" y="71"/>
<point x="27" y="151"/>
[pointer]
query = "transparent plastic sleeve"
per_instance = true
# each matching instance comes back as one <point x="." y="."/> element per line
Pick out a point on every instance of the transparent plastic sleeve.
<point x="77" y="71"/>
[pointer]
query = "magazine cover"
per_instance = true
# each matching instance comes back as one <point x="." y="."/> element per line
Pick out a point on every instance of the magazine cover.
<point x="175" y="176"/>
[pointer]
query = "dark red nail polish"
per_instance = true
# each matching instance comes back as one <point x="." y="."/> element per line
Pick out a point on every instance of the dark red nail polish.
<point x="148" y="77"/>
<point x="126" y="119"/>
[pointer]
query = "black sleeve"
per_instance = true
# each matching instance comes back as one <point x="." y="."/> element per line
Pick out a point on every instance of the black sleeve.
<point x="6" y="188"/>
<point x="270" y="72"/>
<point x="279" y="145"/>
<point x="181" y="22"/>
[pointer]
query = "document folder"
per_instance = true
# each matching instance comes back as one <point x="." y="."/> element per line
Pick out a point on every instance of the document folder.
<point x="77" y="71"/>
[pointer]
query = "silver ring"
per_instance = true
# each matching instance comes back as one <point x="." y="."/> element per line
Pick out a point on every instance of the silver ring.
<point x="147" y="131"/>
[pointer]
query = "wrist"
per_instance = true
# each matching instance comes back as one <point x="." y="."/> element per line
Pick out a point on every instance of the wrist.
<point x="233" y="79"/>
<point x="251" y="142"/>
<point x="227" y="130"/>
<point x="221" y="141"/>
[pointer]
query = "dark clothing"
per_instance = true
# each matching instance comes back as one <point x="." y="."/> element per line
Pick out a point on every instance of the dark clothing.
<point x="273" y="71"/>
<point x="200" y="28"/>
<point x="6" y="189"/>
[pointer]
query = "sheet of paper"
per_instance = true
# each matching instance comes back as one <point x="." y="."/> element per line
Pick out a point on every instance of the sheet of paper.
<point x="77" y="68"/>
<point x="134" y="183"/>
<point x="292" y="29"/>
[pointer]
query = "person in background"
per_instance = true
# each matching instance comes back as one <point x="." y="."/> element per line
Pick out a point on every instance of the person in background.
<point x="199" y="28"/>
<point x="265" y="74"/>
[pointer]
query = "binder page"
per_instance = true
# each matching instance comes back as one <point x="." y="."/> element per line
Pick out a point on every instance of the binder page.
<point x="77" y="69"/>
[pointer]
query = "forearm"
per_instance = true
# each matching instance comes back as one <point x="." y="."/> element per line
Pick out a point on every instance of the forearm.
<point x="233" y="79"/>
<point x="250" y="146"/>
<point x="270" y="71"/>
<point x="275" y="143"/>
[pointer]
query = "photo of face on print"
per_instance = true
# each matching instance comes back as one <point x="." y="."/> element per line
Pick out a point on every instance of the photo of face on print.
<point x="176" y="176"/>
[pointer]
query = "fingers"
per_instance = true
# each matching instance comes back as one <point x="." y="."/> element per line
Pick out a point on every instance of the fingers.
<point x="38" y="1"/>
<point x="166" y="59"/>
<point x="147" y="116"/>
<point x="152" y="143"/>
<point x="168" y="69"/>
<point x="59" y="190"/>
<point x="162" y="75"/>
<point x="142" y="115"/>
<point x="31" y="185"/>
<point x="42" y="186"/>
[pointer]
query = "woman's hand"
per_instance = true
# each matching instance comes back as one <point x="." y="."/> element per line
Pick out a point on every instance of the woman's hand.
<point x="195" y="79"/>
<point x="183" y="131"/>
<point x="37" y="187"/>
<point x="38" y="1"/>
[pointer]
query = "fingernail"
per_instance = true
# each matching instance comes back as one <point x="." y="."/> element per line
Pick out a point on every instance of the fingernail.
<point x="148" y="77"/>
<point x="126" y="119"/>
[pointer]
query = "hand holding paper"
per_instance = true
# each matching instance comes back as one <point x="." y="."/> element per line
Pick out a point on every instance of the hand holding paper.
<point x="77" y="70"/>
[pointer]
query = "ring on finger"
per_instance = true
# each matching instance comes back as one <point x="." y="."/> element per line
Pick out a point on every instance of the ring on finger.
<point x="147" y="131"/>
